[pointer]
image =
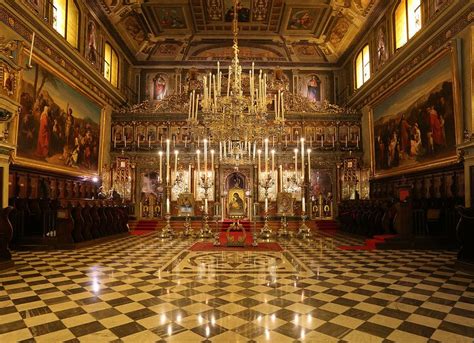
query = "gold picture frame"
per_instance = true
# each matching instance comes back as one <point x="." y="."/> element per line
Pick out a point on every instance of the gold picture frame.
<point x="236" y="205"/>
<point x="285" y="204"/>
<point x="186" y="204"/>
<point x="448" y="55"/>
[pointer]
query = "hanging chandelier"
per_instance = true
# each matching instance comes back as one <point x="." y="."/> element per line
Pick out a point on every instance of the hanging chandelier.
<point x="235" y="117"/>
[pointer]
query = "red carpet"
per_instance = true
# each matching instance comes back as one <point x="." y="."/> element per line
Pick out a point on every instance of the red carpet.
<point x="208" y="246"/>
<point x="141" y="232"/>
<point x="143" y="224"/>
<point x="329" y="225"/>
<point x="370" y="244"/>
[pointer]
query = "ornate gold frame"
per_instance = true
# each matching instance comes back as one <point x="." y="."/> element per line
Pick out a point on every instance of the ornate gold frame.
<point x="46" y="166"/>
<point x="453" y="51"/>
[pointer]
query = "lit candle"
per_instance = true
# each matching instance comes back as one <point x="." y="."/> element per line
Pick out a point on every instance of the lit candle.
<point x="167" y="205"/>
<point x="266" y="155"/>
<point x="266" y="205"/>
<point x="205" y="205"/>
<point x="31" y="49"/>
<point x="303" y="204"/>
<point x="212" y="160"/>
<point x="273" y="161"/>
<point x="281" y="177"/>
<point x="176" y="152"/>
<point x="309" y="165"/>
<point x="161" y="165"/>
<point x="302" y="157"/>
<point x="259" y="152"/>
<point x="205" y="157"/>
<point x="198" y="153"/>
<point x="296" y="162"/>
<point x="167" y="161"/>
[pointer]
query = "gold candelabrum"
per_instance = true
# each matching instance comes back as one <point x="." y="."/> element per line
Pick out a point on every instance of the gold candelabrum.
<point x="166" y="231"/>
<point x="266" y="184"/>
<point x="188" y="229"/>
<point x="235" y="117"/>
<point x="205" y="182"/>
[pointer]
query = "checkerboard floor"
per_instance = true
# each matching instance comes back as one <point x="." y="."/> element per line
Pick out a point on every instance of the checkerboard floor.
<point x="144" y="289"/>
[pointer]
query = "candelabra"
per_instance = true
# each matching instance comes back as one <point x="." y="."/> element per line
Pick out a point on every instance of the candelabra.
<point x="304" y="231"/>
<point x="188" y="230"/>
<point x="283" y="231"/>
<point x="266" y="184"/>
<point x="166" y="231"/>
<point x="205" y="183"/>
<point x="217" y="236"/>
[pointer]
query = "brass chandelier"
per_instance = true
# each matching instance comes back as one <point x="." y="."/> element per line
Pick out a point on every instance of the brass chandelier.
<point x="238" y="118"/>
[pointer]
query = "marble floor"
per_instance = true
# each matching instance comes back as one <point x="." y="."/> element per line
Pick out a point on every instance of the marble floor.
<point x="144" y="289"/>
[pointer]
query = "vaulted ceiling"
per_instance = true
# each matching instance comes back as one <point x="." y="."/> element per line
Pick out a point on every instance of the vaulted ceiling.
<point x="285" y="31"/>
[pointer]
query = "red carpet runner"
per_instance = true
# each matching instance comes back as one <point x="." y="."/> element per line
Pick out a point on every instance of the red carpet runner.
<point x="208" y="246"/>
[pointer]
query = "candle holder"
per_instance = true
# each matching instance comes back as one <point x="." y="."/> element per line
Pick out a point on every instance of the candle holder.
<point x="166" y="231"/>
<point x="266" y="184"/>
<point x="283" y="231"/>
<point x="188" y="230"/>
<point x="205" y="183"/>
<point x="217" y="241"/>
<point x="304" y="231"/>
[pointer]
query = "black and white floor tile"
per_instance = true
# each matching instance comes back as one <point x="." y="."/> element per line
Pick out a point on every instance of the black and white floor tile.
<point x="144" y="289"/>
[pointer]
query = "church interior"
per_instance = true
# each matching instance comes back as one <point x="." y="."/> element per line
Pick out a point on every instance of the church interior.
<point x="236" y="171"/>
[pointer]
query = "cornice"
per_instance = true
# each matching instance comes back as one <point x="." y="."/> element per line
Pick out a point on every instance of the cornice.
<point x="71" y="62"/>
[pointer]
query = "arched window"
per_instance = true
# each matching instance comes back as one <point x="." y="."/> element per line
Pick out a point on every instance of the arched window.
<point x="111" y="65"/>
<point x="407" y="21"/>
<point x="362" y="66"/>
<point x="66" y="20"/>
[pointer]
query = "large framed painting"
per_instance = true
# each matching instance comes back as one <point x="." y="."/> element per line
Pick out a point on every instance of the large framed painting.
<point x="59" y="128"/>
<point x="417" y="126"/>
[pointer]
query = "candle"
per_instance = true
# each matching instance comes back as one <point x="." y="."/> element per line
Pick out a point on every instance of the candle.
<point x="228" y="82"/>
<point x="302" y="157"/>
<point x="161" y="165"/>
<point x="167" y="205"/>
<point x="220" y="150"/>
<point x="346" y="141"/>
<point x="259" y="152"/>
<point x="281" y="177"/>
<point x="273" y="161"/>
<point x="303" y="204"/>
<point x="266" y="155"/>
<point x="31" y="49"/>
<point x="309" y="165"/>
<point x="322" y="141"/>
<point x="198" y="153"/>
<point x="205" y="205"/>
<point x="189" y="177"/>
<point x="282" y="115"/>
<point x="149" y="142"/>
<point x="205" y="157"/>
<point x="190" y="105"/>
<point x="333" y="140"/>
<point x="176" y="163"/>
<point x="125" y="140"/>
<point x="296" y="162"/>
<point x="266" y="205"/>
<point x="212" y="160"/>
<point x="167" y="161"/>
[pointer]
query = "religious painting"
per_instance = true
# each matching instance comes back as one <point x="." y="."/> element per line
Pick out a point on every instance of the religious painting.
<point x="354" y="135"/>
<point x="163" y="134"/>
<point x="214" y="10"/>
<point x="151" y="133"/>
<point x="236" y="203"/>
<point x="171" y="18"/>
<point x="339" y="31"/>
<point x="381" y="43"/>
<point x="151" y="183"/>
<point x="311" y="87"/>
<point x="243" y="10"/>
<point x="296" y="134"/>
<point x="260" y="10"/>
<point x="285" y="204"/>
<point x="181" y="183"/>
<point x="91" y="43"/>
<point x="186" y="204"/>
<point x="416" y="126"/>
<point x="321" y="183"/>
<point x="140" y="134"/>
<point x="272" y="191"/>
<point x="344" y="132"/>
<point x="329" y="135"/>
<point x="8" y="81"/>
<point x="58" y="126"/>
<point x="151" y="191"/>
<point x="117" y="134"/>
<point x="134" y="28"/>
<point x="279" y="80"/>
<point x="128" y="133"/>
<point x="307" y="51"/>
<point x="157" y="86"/>
<point x="302" y="19"/>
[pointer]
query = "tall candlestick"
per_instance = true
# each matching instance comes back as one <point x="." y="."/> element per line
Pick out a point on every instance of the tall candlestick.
<point x="212" y="161"/>
<point x="303" y="204"/>
<point x="302" y="157"/>
<point x="266" y="155"/>
<point x="31" y="49"/>
<point x="176" y="152"/>
<point x="309" y="165"/>
<point x="167" y="205"/>
<point x="273" y="161"/>
<point x="168" y="161"/>
<point x="161" y="165"/>
<point x="259" y="152"/>
<point x="198" y="153"/>
<point x="205" y="157"/>
<point x="296" y="162"/>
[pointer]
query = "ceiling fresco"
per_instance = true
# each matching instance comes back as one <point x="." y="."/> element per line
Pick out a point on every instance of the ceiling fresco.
<point x="296" y="31"/>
